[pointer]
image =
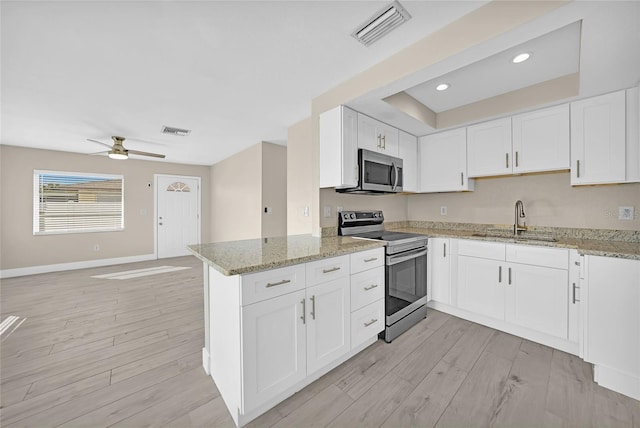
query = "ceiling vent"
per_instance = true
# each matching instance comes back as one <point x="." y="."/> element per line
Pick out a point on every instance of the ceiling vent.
<point x="381" y="23"/>
<point x="175" y="131"/>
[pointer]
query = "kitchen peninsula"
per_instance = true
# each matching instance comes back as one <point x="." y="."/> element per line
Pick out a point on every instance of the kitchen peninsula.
<point x="281" y="312"/>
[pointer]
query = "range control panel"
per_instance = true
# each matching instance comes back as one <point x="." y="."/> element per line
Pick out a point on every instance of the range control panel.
<point x="346" y="217"/>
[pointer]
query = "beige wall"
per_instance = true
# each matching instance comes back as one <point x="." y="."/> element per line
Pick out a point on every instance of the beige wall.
<point x="20" y="248"/>
<point x="300" y="178"/>
<point x="549" y="200"/>
<point x="274" y="189"/>
<point x="241" y="186"/>
<point x="394" y="207"/>
<point x="236" y="196"/>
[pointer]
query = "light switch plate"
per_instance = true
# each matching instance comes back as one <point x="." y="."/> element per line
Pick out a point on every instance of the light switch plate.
<point x="626" y="213"/>
<point x="327" y="211"/>
<point x="443" y="210"/>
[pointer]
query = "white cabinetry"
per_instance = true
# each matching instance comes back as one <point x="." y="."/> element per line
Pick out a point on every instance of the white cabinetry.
<point x="489" y="148"/>
<point x="274" y="344"/>
<point x="439" y="287"/>
<point x="523" y="285"/>
<point x="367" y="295"/>
<point x="612" y="322"/>
<point x="598" y="139"/>
<point x="541" y="140"/>
<point x="443" y="162"/>
<point x="339" y="148"/>
<point x="408" y="152"/>
<point x="377" y="136"/>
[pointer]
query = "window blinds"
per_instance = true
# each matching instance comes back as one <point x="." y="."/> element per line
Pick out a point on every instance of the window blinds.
<point x="67" y="202"/>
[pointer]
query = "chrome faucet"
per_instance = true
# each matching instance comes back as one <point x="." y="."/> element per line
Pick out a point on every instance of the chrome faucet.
<point x="519" y="214"/>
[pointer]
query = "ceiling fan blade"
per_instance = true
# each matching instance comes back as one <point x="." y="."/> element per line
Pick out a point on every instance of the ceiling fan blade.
<point x="99" y="142"/>
<point x="99" y="153"/>
<point x="139" y="153"/>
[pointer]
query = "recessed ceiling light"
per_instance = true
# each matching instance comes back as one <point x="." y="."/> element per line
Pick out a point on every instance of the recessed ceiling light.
<point x="442" y="87"/>
<point x="521" y="57"/>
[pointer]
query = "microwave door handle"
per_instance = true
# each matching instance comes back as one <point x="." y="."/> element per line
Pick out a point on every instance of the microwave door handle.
<point x="391" y="260"/>
<point x="395" y="182"/>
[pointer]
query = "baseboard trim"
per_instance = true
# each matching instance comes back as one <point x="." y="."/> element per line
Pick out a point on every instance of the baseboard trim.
<point x="34" y="270"/>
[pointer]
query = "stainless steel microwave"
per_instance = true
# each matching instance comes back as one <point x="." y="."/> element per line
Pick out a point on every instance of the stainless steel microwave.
<point x="377" y="174"/>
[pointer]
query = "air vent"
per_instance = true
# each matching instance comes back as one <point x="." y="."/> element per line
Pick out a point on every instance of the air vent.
<point x="175" y="131"/>
<point x="381" y="23"/>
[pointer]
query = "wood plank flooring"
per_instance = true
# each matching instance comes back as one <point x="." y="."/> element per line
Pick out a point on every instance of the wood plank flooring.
<point x="97" y="352"/>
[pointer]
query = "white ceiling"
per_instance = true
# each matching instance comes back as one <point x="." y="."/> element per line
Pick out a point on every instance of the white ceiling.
<point x="239" y="72"/>
<point x="235" y="72"/>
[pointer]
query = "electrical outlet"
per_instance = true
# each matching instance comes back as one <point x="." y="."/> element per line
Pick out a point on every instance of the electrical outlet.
<point x="443" y="210"/>
<point x="305" y="211"/>
<point x="339" y="209"/>
<point x="268" y="210"/>
<point x="327" y="211"/>
<point x="96" y="247"/>
<point x="626" y="213"/>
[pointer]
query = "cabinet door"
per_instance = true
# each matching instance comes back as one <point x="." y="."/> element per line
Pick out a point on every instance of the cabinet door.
<point x="598" y="139"/>
<point x="612" y="330"/>
<point x="481" y="285"/>
<point x="368" y="133"/>
<point x="339" y="148"/>
<point x="440" y="275"/>
<point x="328" y="323"/>
<point x="489" y="148"/>
<point x="443" y="162"/>
<point x="408" y="152"/>
<point x="389" y="139"/>
<point x="538" y="298"/>
<point x="273" y="347"/>
<point x="541" y="140"/>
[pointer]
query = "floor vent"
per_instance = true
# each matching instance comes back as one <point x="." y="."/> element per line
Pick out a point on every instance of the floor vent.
<point x="175" y="131"/>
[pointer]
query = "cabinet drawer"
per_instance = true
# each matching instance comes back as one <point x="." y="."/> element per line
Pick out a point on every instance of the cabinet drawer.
<point x="539" y="256"/>
<point x="367" y="322"/>
<point x="367" y="287"/>
<point x="327" y="270"/>
<point x="367" y="260"/>
<point x="272" y="283"/>
<point x="486" y="250"/>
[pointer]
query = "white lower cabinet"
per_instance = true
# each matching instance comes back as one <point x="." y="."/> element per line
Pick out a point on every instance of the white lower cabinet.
<point x="274" y="344"/>
<point x="612" y="322"/>
<point x="328" y="333"/>
<point x="439" y="278"/>
<point x="524" y="286"/>
<point x="270" y="333"/>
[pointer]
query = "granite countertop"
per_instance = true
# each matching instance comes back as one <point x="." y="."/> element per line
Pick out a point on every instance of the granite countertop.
<point x="584" y="246"/>
<point x="253" y="255"/>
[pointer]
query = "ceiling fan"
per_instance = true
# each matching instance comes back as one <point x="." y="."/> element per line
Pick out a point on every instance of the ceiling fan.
<point x="119" y="152"/>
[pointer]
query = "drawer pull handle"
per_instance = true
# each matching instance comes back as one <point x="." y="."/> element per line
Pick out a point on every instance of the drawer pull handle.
<point x="371" y="287"/>
<point x="509" y="276"/>
<point x="372" y="259"/>
<point x="273" y="284"/>
<point x="373" y="321"/>
<point x="499" y="273"/>
<point x="330" y="270"/>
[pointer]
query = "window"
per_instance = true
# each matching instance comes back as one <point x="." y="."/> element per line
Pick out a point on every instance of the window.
<point x="67" y="202"/>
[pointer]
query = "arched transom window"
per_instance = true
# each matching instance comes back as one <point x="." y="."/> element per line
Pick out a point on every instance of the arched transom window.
<point x="178" y="186"/>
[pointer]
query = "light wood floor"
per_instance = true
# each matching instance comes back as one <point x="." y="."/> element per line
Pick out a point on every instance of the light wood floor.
<point x="98" y="352"/>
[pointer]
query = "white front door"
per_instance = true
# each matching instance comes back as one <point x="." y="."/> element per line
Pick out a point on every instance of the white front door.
<point x="178" y="214"/>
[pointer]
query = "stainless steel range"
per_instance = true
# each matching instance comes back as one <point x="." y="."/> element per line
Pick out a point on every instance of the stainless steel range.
<point x="405" y="268"/>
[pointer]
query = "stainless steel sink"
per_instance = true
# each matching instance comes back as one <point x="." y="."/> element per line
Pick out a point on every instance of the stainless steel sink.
<point x="526" y="236"/>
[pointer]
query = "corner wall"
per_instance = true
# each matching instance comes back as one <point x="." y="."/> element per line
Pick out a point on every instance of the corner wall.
<point x="19" y="248"/>
<point x="299" y="178"/>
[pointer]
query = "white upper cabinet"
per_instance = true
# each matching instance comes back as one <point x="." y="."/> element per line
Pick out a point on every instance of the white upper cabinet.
<point x="377" y="136"/>
<point x="489" y="148"/>
<point x="443" y="162"/>
<point x="339" y="148"/>
<point x="408" y="152"/>
<point x="598" y="139"/>
<point x="541" y="140"/>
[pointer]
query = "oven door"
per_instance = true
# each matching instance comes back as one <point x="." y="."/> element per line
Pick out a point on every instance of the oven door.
<point x="380" y="173"/>
<point x="406" y="283"/>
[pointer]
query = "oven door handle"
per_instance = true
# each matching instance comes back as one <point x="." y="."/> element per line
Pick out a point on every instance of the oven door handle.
<point x="394" y="260"/>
